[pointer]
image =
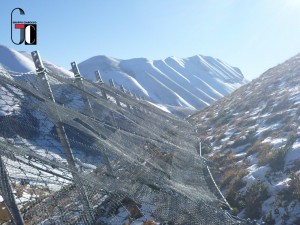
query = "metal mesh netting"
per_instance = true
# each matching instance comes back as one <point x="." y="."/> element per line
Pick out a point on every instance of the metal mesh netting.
<point x="130" y="163"/>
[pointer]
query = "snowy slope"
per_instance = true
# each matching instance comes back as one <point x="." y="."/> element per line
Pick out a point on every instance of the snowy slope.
<point x="193" y="82"/>
<point x="180" y="85"/>
<point x="15" y="61"/>
<point x="255" y="136"/>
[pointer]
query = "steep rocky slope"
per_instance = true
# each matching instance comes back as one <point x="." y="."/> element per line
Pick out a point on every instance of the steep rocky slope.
<point x="253" y="137"/>
<point x="97" y="155"/>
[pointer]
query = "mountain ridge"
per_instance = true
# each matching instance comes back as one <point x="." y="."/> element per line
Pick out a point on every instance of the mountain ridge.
<point x="194" y="82"/>
<point x="178" y="85"/>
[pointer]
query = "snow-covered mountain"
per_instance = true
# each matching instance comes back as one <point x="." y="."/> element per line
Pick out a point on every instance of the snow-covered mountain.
<point x="255" y="142"/>
<point x="15" y="61"/>
<point x="193" y="82"/>
<point x="178" y="85"/>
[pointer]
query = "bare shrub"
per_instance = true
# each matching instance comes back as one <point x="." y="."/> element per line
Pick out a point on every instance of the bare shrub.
<point x="255" y="195"/>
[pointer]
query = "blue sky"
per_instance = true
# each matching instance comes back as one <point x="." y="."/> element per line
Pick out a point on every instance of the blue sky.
<point x="253" y="35"/>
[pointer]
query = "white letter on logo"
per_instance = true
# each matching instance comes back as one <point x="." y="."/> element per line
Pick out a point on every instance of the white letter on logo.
<point x="27" y="34"/>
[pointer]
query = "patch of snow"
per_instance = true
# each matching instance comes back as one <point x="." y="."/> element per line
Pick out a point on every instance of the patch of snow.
<point x="276" y="142"/>
<point x="241" y="148"/>
<point x="255" y="173"/>
<point x="263" y="128"/>
<point x="241" y="155"/>
<point x="161" y="107"/>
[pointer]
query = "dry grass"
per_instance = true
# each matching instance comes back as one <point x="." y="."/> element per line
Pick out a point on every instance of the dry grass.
<point x="4" y="214"/>
<point x="232" y="174"/>
<point x="230" y="177"/>
<point x="255" y="195"/>
<point x="276" y="158"/>
<point x="19" y="191"/>
<point x="294" y="185"/>
<point x="149" y="222"/>
<point x="260" y="148"/>
<point x="265" y="157"/>
<point x="233" y="195"/>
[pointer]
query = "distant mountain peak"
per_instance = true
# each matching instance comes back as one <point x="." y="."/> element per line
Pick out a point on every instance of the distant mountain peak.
<point x="193" y="82"/>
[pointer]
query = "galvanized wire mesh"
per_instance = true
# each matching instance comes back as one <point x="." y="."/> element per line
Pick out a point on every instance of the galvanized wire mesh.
<point x="134" y="164"/>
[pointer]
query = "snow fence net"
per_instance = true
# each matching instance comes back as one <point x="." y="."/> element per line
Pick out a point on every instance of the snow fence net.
<point x="128" y="162"/>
